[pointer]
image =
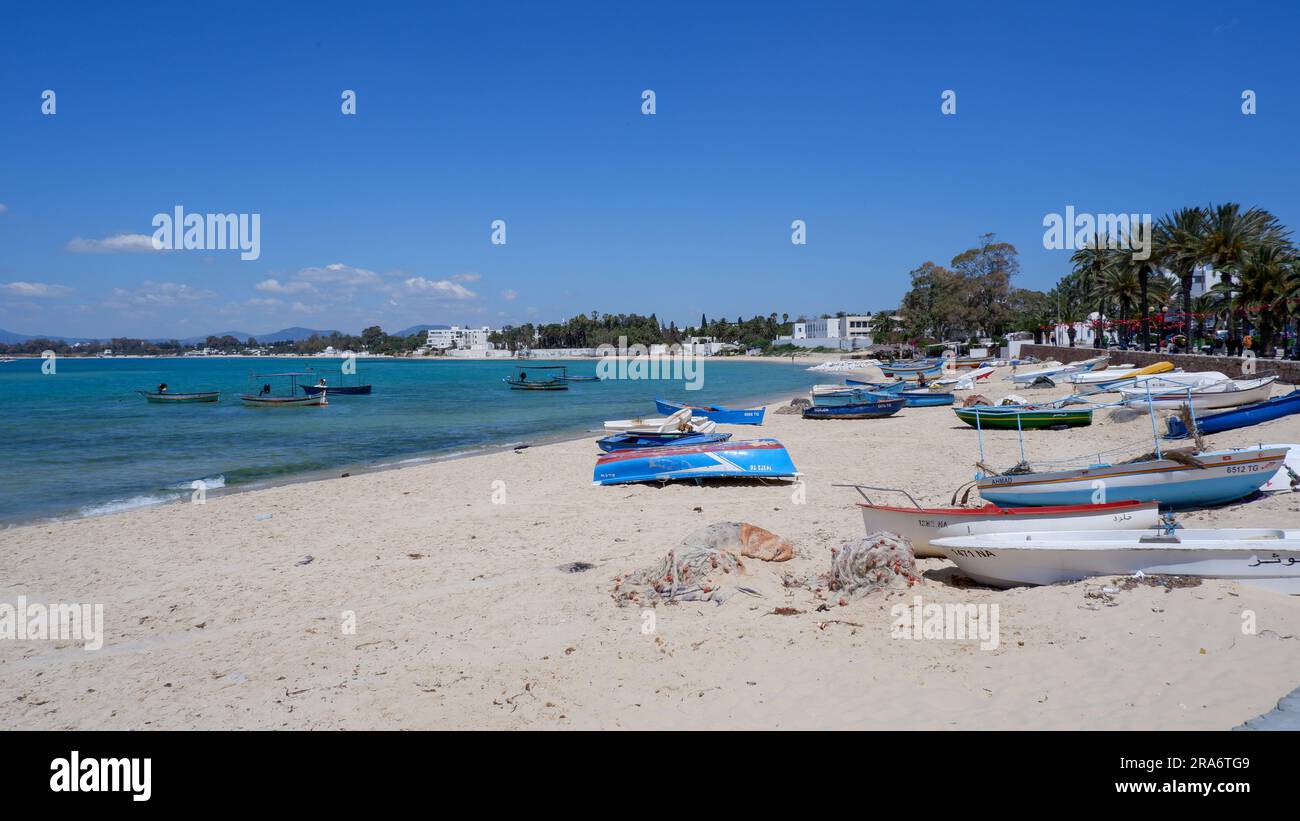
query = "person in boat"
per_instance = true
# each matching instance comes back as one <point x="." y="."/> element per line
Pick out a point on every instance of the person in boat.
<point x="162" y="387"/>
<point x="523" y="376"/>
<point x="321" y="383"/>
<point x="266" y="390"/>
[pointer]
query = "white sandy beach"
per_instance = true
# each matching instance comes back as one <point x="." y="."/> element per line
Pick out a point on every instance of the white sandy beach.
<point x="463" y="619"/>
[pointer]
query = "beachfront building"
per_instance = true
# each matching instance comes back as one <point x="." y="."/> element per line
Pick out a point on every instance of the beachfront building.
<point x="458" y="338"/>
<point x="846" y="332"/>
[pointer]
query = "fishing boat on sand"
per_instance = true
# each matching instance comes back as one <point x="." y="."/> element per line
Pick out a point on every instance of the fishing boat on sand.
<point x="928" y="367"/>
<point x="927" y="397"/>
<point x="1264" y="558"/>
<point x="636" y="441"/>
<point x="679" y="422"/>
<point x="1102" y="376"/>
<point x="1226" y="393"/>
<point x="881" y="387"/>
<point x="1023" y="417"/>
<point x="1241" y="417"/>
<point x="865" y="406"/>
<point x="266" y="398"/>
<point x="1056" y="371"/>
<point x="719" y="414"/>
<point x="554" y="378"/>
<point x="920" y="525"/>
<point x="1174" y="479"/>
<point x="753" y="458"/>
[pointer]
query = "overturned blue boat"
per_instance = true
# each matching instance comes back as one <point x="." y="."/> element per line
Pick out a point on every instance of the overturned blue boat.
<point x="719" y="414"/>
<point x="753" y="458"/>
<point x="635" y="441"/>
<point x="1242" y="417"/>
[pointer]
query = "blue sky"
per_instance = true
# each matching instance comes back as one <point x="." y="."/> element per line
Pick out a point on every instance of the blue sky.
<point x="531" y="113"/>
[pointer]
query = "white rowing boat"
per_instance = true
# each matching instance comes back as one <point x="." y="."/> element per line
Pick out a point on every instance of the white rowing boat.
<point x="1262" y="557"/>
<point x="921" y="526"/>
<point x="1224" y="393"/>
<point x="679" y="421"/>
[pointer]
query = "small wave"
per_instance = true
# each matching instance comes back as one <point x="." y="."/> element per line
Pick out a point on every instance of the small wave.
<point x="120" y="505"/>
<point x="209" y="483"/>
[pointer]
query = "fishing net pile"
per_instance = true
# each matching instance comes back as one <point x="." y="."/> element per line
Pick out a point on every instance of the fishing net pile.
<point x="704" y="567"/>
<point x="881" y="561"/>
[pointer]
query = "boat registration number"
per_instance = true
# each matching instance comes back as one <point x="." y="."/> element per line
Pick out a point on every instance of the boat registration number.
<point x="974" y="553"/>
<point x="1244" y="468"/>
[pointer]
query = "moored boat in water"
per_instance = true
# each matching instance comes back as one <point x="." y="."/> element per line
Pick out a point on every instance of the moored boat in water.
<point x="266" y="397"/>
<point x="169" y="398"/>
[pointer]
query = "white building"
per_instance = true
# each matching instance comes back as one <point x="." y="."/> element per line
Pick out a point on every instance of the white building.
<point x="844" y="332"/>
<point x="475" y="339"/>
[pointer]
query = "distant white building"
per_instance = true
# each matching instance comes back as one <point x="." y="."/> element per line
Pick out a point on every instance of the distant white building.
<point x="845" y="332"/>
<point x="474" y="339"/>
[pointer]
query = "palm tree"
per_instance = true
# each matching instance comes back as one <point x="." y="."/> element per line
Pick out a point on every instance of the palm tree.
<point x="1230" y="235"/>
<point x="1121" y="286"/>
<point x="1265" y="279"/>
<point x="1089" y="266"/>
<point x="1177" y="240"/>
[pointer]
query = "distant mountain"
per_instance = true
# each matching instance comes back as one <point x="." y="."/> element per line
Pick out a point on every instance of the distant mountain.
<point x="11" y="338"/>
<point x="196" y="340"/>
<point x="291" y="335"/>
<point x="417" y="329"/>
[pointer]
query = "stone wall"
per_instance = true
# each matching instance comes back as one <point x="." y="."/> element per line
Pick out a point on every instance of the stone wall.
<point x="1287" y="370"/>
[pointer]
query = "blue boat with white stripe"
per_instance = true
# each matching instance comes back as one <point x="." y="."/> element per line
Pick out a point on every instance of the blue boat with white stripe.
<point x="719" y="414"/>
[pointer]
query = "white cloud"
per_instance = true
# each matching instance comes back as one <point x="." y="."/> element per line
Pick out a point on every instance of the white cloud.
<point x="158" y="295"/>
<point x="275" y="286"/>
<point x="439" y="287"/>
<point x="338" y="273"/>
<point x="3" y="208"/>
<point x="37" y="290"/>
<point x="509" y="294"/>
<point x="116" y="244"/>
<point x="469" y="277"/>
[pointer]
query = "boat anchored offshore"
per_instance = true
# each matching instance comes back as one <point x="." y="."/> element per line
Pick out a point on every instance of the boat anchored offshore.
<point x="752" y="458"/>
<point x="1263" y="558"/>
<point x="168" y="398"/>
<point x="341" y="389"/>
<point x="556" y="378"/>
<point x="266" y="398"/>
<point x="719" y="414"/>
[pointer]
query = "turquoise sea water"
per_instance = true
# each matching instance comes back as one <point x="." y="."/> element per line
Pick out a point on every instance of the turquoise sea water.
<point x="81" y="442"/>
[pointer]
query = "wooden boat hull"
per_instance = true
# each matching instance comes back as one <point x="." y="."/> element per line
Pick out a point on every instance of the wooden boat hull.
<point x="1228" y="475"/>
<point x="926" y="399"/>
<point x="719" y="414"/>
<point x="1269" y="558"/>
<point x="1208" y="397"/>
<point x="1239" y="417"/>
<point x="180" y="398"/>
<point x="755" y="458"/>
<point x="921" y="525"/>
<point x="635" y="441"/>
<point x="337" y="390"/>
<point x="995" y="418"/>
<point x="882" y="387"/>
<point x="928" y="369"/>
<point x="549" y="385"/>
<point x="252" y="400"/>
<point x="876" y="409"/>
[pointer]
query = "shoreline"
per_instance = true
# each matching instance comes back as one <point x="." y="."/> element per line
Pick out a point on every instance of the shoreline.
<point x="440" y="596"/>
<point x="395" y="462"/>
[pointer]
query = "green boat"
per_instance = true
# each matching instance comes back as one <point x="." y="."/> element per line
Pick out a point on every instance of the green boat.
<point x="1022" y="417"/>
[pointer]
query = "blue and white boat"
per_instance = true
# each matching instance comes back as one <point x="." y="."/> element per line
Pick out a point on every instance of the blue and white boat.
<point x="882" y="387"/>
<point x="1241" y="417"/>
<point x="868" y="406"/>
<point x="1209" y="478"/>
<point x="926" y="398"/>
<point x="633" y="440"/>
<point x="719" y="414"/>
<point x="751" y="458"/>
<point x="929" y="367"/>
